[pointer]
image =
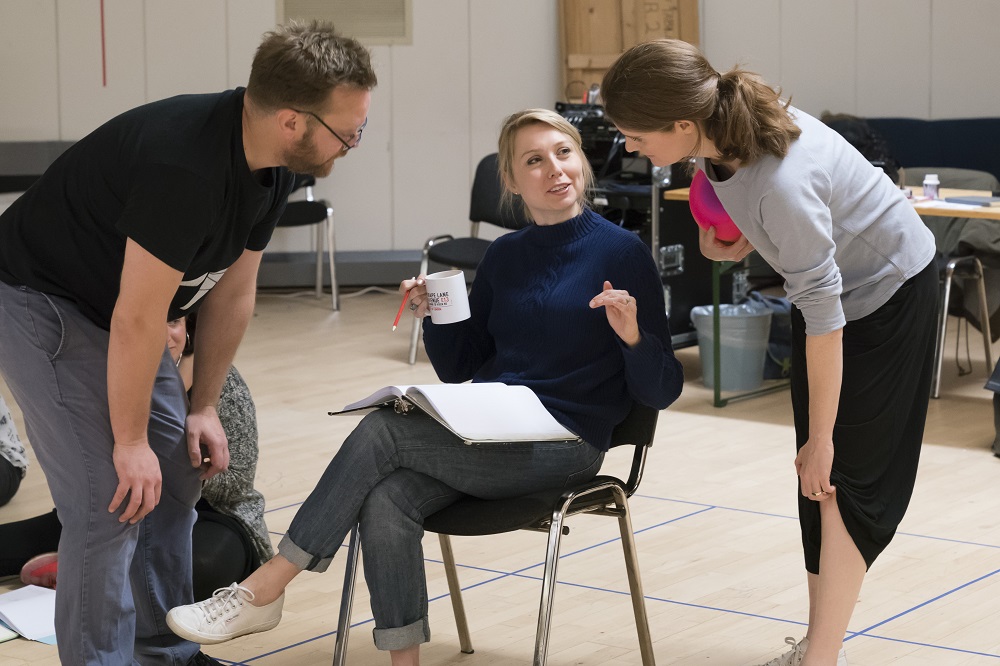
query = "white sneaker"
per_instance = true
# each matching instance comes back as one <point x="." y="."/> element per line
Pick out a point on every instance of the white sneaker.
<point x="225" y="616"/>
<point x="794" y="656"/>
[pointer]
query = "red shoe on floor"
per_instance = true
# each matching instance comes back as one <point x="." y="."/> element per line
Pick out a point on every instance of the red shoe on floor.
<point x="41" y="570"/>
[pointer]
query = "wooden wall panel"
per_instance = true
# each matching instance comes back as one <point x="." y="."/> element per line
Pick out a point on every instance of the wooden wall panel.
<point x="595" y="32"/>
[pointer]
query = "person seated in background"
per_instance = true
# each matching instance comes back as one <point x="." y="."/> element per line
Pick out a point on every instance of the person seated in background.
<point x="571" y="307"/>
<point x="13" y="464"/>
<point x="229" y="539"/>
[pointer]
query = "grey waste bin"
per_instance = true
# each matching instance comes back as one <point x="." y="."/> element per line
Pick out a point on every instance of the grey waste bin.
<point x="743" y="333"/>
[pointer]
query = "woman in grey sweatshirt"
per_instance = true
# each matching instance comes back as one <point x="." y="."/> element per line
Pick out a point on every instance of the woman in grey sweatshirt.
<point x="858" y="268"/>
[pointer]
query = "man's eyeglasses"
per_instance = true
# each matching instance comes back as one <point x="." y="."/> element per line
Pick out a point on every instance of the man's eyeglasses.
<point x="347" y="146"/>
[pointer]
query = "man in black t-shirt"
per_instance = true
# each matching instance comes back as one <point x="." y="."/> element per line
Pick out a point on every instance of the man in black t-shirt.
<point x="163" y="210"/>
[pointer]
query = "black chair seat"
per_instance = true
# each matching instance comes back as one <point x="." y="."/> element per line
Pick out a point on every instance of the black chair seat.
<point x="472" y="516"/>
<point x="464" y="253"/>
<point x="303" y="213"/>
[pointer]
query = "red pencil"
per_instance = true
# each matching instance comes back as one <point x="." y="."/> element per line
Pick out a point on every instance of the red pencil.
<point x="402" y="305"/>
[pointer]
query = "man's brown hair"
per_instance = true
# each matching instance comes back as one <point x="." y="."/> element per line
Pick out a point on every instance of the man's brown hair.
<point x="298" y="64"/>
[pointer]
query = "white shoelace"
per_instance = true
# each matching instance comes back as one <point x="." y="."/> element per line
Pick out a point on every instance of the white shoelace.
<point x="791" y="658"/>
<point x="224" y="600"/>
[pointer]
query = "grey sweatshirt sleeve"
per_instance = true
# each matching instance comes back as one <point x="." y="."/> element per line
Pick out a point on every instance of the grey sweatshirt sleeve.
<point x="796" y="217"/>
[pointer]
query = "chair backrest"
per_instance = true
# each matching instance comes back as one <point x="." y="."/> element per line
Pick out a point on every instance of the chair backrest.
<point x="961" y="179"/>
<point x="485" y="205"/>
<point x="302" y="213"/>
<point x="637" y="429"/>
<point x="306" y="181"/>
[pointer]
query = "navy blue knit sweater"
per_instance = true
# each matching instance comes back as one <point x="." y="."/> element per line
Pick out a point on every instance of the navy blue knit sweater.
<point x="532" y="325"/>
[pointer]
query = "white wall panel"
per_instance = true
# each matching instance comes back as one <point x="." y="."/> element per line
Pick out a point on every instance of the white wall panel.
<point x="360" y="187"/>
<point x="29" y="81"/>
<point x="965" y="52"/>
<point x="92" y="91"/>
<point x="185" y="47"/>
<point x="818" y="54"/>
<point x="246" y="23"/>
<point x="431" y="125"/>
<point x="505" y="77"/>
<point x="745" y="33"/>
<point x="893" y="66"/>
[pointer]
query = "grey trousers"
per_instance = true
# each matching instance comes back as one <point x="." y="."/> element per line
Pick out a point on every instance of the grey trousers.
<point x="116" y="581"/>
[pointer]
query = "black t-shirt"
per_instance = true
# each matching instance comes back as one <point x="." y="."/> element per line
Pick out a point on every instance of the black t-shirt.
<point x="172" y="176"/>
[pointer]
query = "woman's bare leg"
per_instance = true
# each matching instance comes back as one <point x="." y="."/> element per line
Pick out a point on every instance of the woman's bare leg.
<point x="833" y="594"/>
<point x="407" y="657"/>
<point x="270" y="580"/>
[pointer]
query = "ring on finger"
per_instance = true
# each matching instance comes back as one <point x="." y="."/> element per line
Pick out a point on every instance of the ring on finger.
<point x="413" y="307"/>
<point x="822" y="492"/>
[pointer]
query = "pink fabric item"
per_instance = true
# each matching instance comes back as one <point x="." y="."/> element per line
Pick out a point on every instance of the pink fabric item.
<point x="708" y="210"/>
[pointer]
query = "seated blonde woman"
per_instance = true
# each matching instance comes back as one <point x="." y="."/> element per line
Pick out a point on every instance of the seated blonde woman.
<point x="571" y="307"/>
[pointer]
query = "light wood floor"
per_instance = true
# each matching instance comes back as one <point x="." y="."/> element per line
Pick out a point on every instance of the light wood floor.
<point x="714" y="520"/>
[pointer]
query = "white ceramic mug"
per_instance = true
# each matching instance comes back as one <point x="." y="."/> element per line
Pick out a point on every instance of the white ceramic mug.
<point x="447" y="297"/>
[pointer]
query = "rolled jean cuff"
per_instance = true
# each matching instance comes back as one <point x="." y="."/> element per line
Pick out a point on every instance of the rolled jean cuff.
<point x="300" y="558"/>
<point x="401" y="638"/>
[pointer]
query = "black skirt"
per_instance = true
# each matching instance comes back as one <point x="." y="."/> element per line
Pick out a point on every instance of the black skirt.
<point x="888" y="359"/>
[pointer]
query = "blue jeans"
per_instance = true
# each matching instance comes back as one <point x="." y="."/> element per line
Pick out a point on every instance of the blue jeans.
<point x="393" y="471"/>
<point x="116" y="581"/>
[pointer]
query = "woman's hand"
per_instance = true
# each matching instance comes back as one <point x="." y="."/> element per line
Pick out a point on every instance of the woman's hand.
<point x="718" y="250"/>
<point x="208" y="446"/>
<point x="813" y="465"/>
<point x="621" y="310"/>
<point x="418" y="295"/>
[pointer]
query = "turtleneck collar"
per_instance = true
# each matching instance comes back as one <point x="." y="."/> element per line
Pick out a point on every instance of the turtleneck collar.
<point x="564" y="232"/>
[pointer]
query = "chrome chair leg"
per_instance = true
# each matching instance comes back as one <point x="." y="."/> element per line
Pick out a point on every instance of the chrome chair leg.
<point x="984" y="315"/>
<point x="949" y="271"/>
<point x="455" y="589"/>
<point x="319" y="261"/>
<point x="331" y="244"/>
<point x="549" y="585"/>
<point x="347" y="599"/>
<point x="634" y="579"/>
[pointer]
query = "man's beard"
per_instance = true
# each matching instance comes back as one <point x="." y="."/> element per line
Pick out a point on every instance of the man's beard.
<point x="303" y="158"/>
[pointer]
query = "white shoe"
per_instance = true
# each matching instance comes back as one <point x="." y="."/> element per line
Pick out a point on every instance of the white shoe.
<point x="225" y="616"/>
<point x="794" y="656"/>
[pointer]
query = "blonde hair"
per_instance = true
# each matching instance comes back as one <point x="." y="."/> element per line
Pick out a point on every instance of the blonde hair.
<point x="513" y="124"/>
<point x="653" y="85"/>
<point x="298" y="64"/>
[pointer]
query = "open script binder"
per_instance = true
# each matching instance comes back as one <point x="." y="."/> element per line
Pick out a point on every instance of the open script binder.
<point x="484" y="412"/>
<point x="30" y="611"/>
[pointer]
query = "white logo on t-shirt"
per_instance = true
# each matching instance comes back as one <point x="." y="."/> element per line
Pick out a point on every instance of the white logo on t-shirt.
<point x="204" y="285"/>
